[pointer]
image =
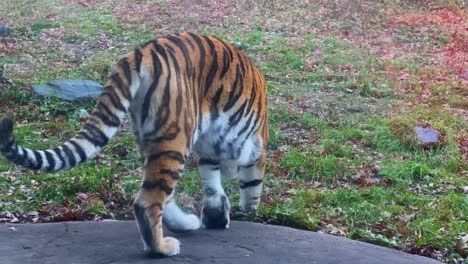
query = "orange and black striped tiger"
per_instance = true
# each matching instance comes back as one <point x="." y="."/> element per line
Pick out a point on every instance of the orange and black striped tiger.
<point x="183" y="92"/>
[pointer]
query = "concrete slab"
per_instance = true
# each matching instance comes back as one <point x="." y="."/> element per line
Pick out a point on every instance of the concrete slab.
<point x="119" y="242"/>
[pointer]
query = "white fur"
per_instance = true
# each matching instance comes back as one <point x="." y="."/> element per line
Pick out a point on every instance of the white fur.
<point x="90" y="149"/>
<point x="249" y="197"/>
<point x="177" y="220"/>
<point x="211" y="178"/>
<point x="73" y="150"/>
<point x="31" y="156"/>
<point x="55" y="157"/>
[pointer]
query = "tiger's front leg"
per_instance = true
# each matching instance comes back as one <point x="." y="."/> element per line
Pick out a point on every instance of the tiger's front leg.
<point x="161" y="173"/>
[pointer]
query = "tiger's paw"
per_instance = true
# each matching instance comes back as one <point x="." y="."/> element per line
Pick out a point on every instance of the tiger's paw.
<point x="169" y="246"/>
<point x="215" y="212"/>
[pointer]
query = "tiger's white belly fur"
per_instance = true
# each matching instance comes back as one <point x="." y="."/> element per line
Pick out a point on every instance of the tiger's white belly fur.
<point x="219" y="141"/>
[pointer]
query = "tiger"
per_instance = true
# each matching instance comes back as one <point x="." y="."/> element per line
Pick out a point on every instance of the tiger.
<point x="183" y="94"/>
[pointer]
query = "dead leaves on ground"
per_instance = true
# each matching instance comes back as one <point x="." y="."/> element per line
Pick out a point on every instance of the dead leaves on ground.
<point x="368" y="175"/>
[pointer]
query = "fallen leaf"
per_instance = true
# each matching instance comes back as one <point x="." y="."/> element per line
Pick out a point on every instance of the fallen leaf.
<point x="407" y="217"/>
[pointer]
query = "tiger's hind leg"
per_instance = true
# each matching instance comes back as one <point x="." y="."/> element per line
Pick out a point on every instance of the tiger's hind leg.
<point x="161" y="173"/>
<point x="216" y="206"/>
<point x="250" y="183"/>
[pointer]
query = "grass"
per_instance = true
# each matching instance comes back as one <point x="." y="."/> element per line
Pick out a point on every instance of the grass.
<point x="344" y="97"/>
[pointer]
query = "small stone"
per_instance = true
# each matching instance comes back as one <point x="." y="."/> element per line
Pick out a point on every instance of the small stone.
<point x="427" y="136"/>
<point x="4" y="31"/>
<point x="69" y="90"/>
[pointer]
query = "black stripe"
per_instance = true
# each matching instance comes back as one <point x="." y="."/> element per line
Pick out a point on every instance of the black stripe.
<point x="38" y="159"/>
<point x="161" y="52"/>
<point x="226" y="64"/>
<point x="193" y="70"/>
<point x="157" y="68"/>
<point x="50" y="160"/>
<point x="214" y="65"/>
<point x="188" y="62"/>
<point x="257" y="118"/>
<point x="174" y="174"/>
<point x="165" y="136"/>
<point x="161" y="184"/>
<point x="70" y="155"/>
<point x="119" y="85"/>
<point x="247" y="124"/>
<point x="106" y="115"/>
<point x="79" y="150"/>
<point x="59" y="154"/>
<point x="187" y="129"/>
<point x="138" y="57"/>
<point x="102" y="117"/>
<point x="114" y="98"/>
<point x="190" y="43"/>
<point x="187" y="86"/>
<point x="249" y="165"/>
<point x="206" y="161"/>
<point x="248" y="184"/>
<point x="144" y="225"/>
<point x="253" y="95"/>
<point x="237" y="116"/>
<point x="201" y="47"/>
<point x="126" y="68"/>
<point x="163" y="111"/>
<point x="170" y="48"/>
<point x="233" y="97"/>
<point x="167" y="154"/>
<point x="241" y="63"/>
<point x="214" y="104"/>
<point x="179" y="84"/>
<point x="86" y="136"/>
<point x="228" y="47"/>
<point x="96" y="137"/>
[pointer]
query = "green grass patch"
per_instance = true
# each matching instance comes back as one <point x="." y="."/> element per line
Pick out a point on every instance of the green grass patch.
<point x="40" y="25"/>
<point x="303" y="165"/>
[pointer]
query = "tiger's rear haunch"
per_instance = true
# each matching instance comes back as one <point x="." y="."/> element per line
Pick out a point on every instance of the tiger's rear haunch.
<point x="183" y="92"/>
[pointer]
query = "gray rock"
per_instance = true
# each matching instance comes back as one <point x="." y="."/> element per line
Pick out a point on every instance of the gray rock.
<point x="427" y="136"/>
<point x="69" y="90"/>
<point x="247" y="243"/>
<point x="4" y="31"/>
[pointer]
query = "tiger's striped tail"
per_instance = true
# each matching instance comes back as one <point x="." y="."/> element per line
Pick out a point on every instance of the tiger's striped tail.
<point x="101" y="126"/>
